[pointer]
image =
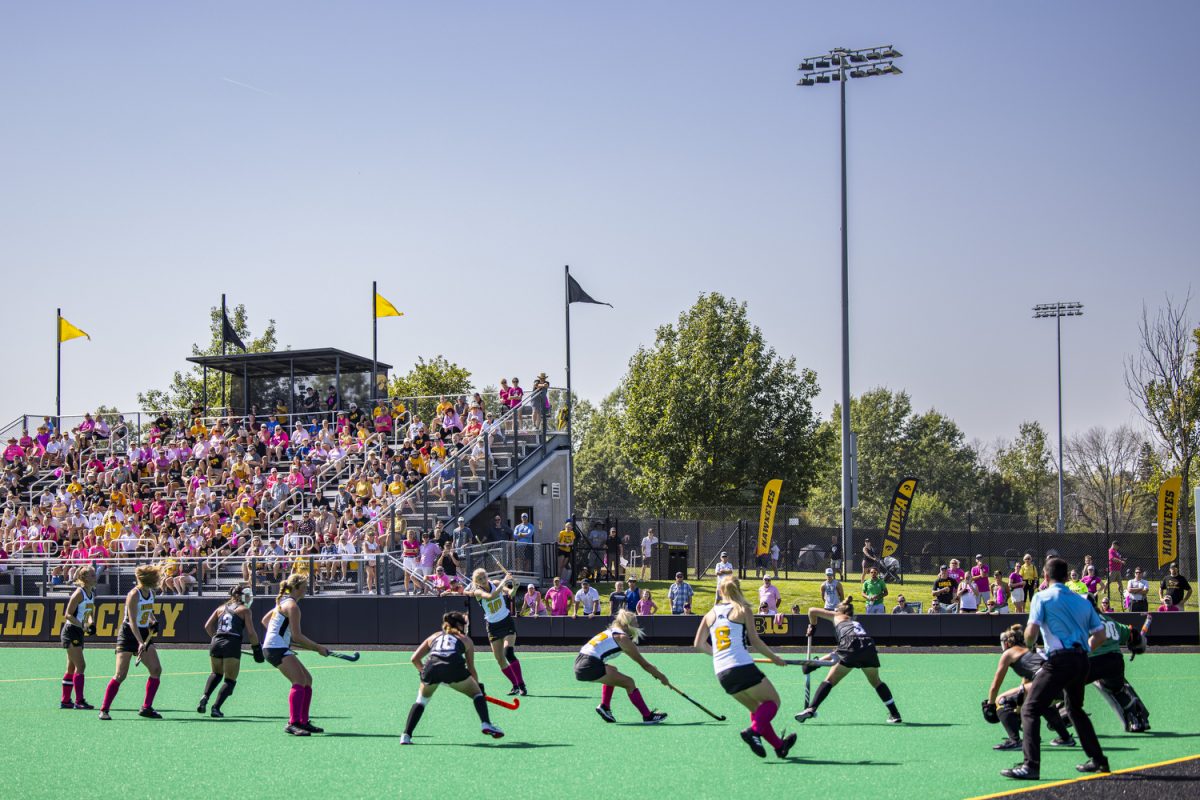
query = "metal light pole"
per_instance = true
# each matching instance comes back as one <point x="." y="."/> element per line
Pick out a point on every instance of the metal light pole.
<point x="838" y="65"/>
<point x="1058" y="311"/>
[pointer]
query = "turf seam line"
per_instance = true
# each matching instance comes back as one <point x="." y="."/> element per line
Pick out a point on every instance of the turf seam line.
<point x="1081" y="779"/>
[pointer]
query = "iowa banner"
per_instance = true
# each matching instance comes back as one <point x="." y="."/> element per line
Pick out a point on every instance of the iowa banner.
<point x="1168" y="524"/>
<point x="898" y="515"/>
<point x="766" y="517"/>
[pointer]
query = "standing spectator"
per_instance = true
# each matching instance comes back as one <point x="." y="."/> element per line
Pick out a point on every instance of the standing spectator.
<point x="945" y="590"/>
<point x="632" y="595"/>
<point x="874" y="590"/>
<point x="832" y="593"/>
<point x="612" y="554"/>
<point x="724" y="567"/>
<point x="980" y="577"/>
<point x="1175" y="588"/>
<point x="648" y="543"/>
<point x="541" y="399"/>
<point x="968" y="597"/>
<point x="558" y="598"/>
<point x="1071" y="628"/>
<point x="1091" y="580"/>
<point x="1075" y="585"/>
<point x="616" y="600"/>
<point x="679" y="595"/>
<point x="956" y="571"/>
<point x="870" y="558"/>
<point x="587" y="598"/>
<point x="1116" y="568"/>
<point x="429" y="553"/>
<point x="835" y="557"/>
<point x="1137" y="592"/>
<point x="1016" y="589"/>
<point x="646" y="605"/>
<point x="775" y="558"/>
<point x="768" y="595"/>
<point x="566" y="545"/>
<point x="1000" y="593"/>
<point x="524" y="531"/>
<point x="461" y="535"/>
<point x="1029" y="574"/>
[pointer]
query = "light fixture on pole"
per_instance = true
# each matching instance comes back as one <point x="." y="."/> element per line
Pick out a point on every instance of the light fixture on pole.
<point x="1058" y="311"/>
<point x="835" y="67"/>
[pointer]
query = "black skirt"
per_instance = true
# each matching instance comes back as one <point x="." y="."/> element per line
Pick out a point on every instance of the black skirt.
<point x="127" y="642"/>
<point x="224" y="647"/>
<point x="71" y="636"/>
<point x="498" y="630"/>
<point x="589" y="668"/>
<point x="739" y="679"/>
<point x="438" y="671"/>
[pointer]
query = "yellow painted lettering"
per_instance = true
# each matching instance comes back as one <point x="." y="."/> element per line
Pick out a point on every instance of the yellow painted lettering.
<point x="171" y="612"/>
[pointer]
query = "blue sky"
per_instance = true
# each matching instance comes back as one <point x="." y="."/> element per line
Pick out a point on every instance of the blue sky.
<point x="287" y="154"/>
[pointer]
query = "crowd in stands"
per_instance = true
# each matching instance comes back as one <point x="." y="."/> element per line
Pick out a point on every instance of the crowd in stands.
<point x="191" y="489"/>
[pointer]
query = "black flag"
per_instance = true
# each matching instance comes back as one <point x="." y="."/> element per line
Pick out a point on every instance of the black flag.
<point x="576" y="294"/>
<point x="229" y="334"/>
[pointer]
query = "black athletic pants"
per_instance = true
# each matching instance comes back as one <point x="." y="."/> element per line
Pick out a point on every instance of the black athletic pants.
<point x="1064" y="674"/>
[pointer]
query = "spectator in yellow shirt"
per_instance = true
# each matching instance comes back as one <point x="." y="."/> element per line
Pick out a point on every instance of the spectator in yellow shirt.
<point x="245" y="513"/>
<point x="566" y="542"/>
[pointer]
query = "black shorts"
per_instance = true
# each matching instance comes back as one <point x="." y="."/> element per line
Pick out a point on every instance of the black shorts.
<point x="739" y="679"/>
<point x="440" y="672"/>
<point x="498" y="630"/>
<point x="126" y="642"/>
<point x="275" y="655"/>
<point x="223" y="647"/>
<point x="859" y="658"/>
<point x="71" y="636"/>
<point x="589" y="668"/>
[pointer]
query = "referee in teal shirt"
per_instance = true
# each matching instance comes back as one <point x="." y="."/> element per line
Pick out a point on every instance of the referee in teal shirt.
<point x="1070" y="629"/>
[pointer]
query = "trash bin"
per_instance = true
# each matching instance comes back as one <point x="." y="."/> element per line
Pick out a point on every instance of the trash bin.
<point x="671" y="557"/>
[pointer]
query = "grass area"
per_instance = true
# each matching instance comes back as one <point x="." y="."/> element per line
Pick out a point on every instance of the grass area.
<point x="555" y="743"/>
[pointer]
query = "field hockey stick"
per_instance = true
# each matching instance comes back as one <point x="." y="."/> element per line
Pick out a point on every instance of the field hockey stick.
<point x="808" y="673"/>
<point x="137" y="662"/>
<point x="678" y="691"/>
<point x="513" y="706"/>
<point x="345" y="656"/>
<point x="802" y="662"/>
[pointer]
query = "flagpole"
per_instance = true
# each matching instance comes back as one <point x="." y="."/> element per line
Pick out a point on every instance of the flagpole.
<point x="374" y="343"/>
<point x="58" y="370"/>
<point x="223" y="318"/>
<point x="570" y="441"/>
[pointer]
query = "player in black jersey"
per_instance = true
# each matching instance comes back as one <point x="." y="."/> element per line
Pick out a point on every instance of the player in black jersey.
<point x="1006" y="708"/>
<point x="79" y="617"/>
<point x="855" y="650"/>
<point x="451" y="661"/>
<point x="228" y="625"/>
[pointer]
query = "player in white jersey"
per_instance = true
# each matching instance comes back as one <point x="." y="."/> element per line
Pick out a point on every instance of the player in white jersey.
<point x="452" y="662"/>
<point x="592" y="665"/>
<point x="283" y="631"/>
<point x="80" y="608"/>
<point x="137" y="631"/>
<point x="498" y="620"/>
<point x="727" y="634"/>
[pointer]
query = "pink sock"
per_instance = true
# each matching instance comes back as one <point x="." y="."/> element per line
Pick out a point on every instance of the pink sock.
<point x="515" y="666"/>
<point x="509" y="673"/>
<point x="151" y="690"/>
<point x="635" y="697"/>
<point x="606" y="693"/>
<point x="760" y="722"/>
<point x="110" y="694"/>
<point x="307" y="702"/>
<point x="78" y="681"/>
<point x="67" y="682"/>
<point x="296" y="704"/>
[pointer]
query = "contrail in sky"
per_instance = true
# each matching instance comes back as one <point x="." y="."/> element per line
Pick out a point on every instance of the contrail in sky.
<point x="246" y="86"/>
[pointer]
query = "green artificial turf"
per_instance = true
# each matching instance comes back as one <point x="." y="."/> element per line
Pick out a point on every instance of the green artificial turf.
<point x="556" y="745"/>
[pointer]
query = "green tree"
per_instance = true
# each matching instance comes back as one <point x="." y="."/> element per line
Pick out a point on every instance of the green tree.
<point x="710" y="412"/>
<point x="603" y="471"/>
<point x="434" y="378"/>
<point x="1026" y="465"/>
<point x="187" y="388"/>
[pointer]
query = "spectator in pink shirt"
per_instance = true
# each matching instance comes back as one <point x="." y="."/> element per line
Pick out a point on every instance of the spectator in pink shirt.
<point x="533" y="601"/>
<point x="14" y="453"/>
<point x="278" y="444"/>
<point x="515" y="394"/>
<point x="440" y="581"/>
<point x="558" y="597"/>
<point x="768" y="594"/>
<point x="980" y="577"/>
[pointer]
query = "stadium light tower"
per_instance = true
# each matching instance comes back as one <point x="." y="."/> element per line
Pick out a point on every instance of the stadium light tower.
<point x="837" y="66"/>
<point x="1058" y="311"/>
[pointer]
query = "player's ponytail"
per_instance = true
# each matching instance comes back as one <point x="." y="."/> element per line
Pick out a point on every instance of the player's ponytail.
<point x="626" y="620"/>
<point x="845" y="607"/>
<point x="290" y="584"/>
<point x="454" y="621"/>
<point x="1013" y="637"/>
<point x="731" y="590"/>
<point x="147" y="576"/>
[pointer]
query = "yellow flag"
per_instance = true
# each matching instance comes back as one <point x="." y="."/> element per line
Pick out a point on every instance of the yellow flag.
<point x="385" y="309"/>
<point x="67" y="331"/>
<point x="1168" y="524"/>
<point x="766" y="516"/>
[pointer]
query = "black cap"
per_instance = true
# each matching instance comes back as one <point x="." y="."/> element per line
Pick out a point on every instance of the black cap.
<point x="942" y="567"/>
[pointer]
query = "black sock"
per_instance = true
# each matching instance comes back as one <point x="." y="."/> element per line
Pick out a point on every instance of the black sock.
<point x="1011" y="720"/>
<point x="481" y="709"/>
<point x="510" y="653"/>
<point x="223" y="694"/>
<point x="823" y="690"/>
<point x="414" y="716"/>
<point x="885" y="694"/>
<point x="210" y="684"/>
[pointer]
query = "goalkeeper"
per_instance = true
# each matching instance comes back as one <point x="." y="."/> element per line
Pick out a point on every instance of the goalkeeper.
<point x="1107" y="673"/>
<point x="1006" y="708"/>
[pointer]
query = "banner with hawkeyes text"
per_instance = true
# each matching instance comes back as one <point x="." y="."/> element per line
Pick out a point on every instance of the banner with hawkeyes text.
<point x="898" y="515"/>
<point x="1168" y="522"/>
<point x="766" y="517"/>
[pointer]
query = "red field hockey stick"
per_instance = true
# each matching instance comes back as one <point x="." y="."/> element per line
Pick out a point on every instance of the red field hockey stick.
<point x="513" y="706"/>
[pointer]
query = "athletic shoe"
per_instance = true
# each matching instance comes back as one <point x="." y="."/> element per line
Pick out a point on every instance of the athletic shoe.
<point x="894" y="719"/>
<point x="296" y="730"/>
<point x="1094" y="765"/>
<point x="65" y="704"/>
<point x="521" y="690"/>
<point x="1021" y="772"/>
<point x="755" y="743"/>
<point x="806" y="715"/>
<point x="488" y="729"/>
<point x="1061" y="742"/>
<point x="405" y="739"/>
<point x="1008" y="744"/>
<point x="149" y="713"/>
<point x="216" y="713"/>
<point x="605" y="713"/>
<point x="104" y="715"/>
<point x="308" y="726"/>
<point x="654" y="718"/>
<point x="84" y="705"/>
<point x="783" y="749"/>
<point x="203" y="705"/>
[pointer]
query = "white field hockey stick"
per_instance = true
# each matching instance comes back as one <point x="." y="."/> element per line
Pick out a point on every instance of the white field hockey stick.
<point x="808" y="673"/>
<point x="815" y="663"/>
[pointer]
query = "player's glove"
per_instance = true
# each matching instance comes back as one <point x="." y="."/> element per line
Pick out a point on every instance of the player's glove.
<point x="812" y="630"/>
<point x="989" y="712"/>
<point x="1137" y="643"/>
<point x="158" y="625"/>
<point x="91" y="629"/>
<point x="258" y="654"/>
